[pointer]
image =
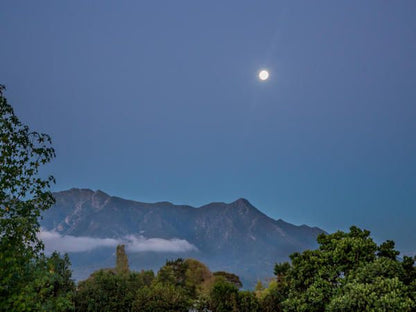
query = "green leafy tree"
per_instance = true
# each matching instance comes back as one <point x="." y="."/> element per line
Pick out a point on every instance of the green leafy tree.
<point x="386" y="249"/>
<point x="382" y="294"/>
<point x="107" y="291"/>
<point x="173" y="272"/>
<point x="51" y="287"/>
<point x="140" y="279"/>
<point x="229" y="277"/>
<point x="112" y="289"/>
<point x="248" y="302"/>
<point x="198" y="278"/>
<point x="375" y="286"/>
<point x="409" y="276"/>
<point x="281" y="269"/>
<point x="348" y="272"/>
<point x="223" y="296"/>
<point x="161" y="298"/>
<point x="103" y="291"/>
<point x="271" y="298"/>
<point x="24" y="194"/>
<point x="259" y="287"/>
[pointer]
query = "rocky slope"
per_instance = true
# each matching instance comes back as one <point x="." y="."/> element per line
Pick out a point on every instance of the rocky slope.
<point x="236" y="237"/>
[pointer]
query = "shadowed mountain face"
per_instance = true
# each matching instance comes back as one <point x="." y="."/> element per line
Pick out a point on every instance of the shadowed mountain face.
<point x="234" y="237"/>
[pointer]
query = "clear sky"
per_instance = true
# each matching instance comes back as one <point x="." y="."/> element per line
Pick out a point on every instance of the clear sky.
<point x="160" y="100"/>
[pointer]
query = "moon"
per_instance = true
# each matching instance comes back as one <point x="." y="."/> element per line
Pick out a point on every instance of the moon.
<point x="264" y="75"/>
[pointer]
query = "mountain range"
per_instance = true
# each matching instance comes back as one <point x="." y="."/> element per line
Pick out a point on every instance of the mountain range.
<point x="234" y="237"/>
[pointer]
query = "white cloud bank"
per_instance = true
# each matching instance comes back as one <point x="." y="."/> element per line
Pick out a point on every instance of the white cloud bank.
<point x="67" y="243"/>
<point x="139" y="243"/>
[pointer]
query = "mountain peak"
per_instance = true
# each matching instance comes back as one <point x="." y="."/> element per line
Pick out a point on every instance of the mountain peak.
<point x="101" y="193"/>
<point x="224" y="233"/>
<point x="242" y="201"/>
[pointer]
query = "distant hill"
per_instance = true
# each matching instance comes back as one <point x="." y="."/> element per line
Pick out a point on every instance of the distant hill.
<point x="234" y="237"/>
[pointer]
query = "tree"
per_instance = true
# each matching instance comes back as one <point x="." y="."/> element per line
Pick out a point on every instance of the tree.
<point x="348" y="272"/>
<point x="386" y="249"/>
<point x="173" y="273"/>
<point x="112" y="289"/>
<point x="247" y="302"/>
<point x="103" y="291"/>
<point x="229" y="277"/>
<point x="23" y="196"/>
<point x="51" y="284"/>
<point x="382" y="294"/>
<point x="281" y="269"/>
<point x="122" y="262"/>
<point x="271" y="298"/>
<point x="199" y="278"/>
<point x="161" y="298"/>
<point x="223" y="296"/>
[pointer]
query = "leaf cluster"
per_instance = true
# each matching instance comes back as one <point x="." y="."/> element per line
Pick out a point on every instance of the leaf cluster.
<point x="348" y="272"/>
<point x="24" y="194"/>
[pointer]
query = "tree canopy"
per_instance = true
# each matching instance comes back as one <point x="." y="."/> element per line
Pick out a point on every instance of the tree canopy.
<point x="348" y="272"/>
<point x="28" y="279"/>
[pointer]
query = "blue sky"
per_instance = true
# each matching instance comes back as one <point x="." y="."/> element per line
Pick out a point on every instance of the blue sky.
<point x="159" y="100"/>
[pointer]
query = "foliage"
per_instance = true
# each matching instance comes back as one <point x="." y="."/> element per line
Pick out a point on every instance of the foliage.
<point x="107" y="291"/>
<point x="382" y="294"/>
<point x="51" y="287"/>
<point x="104" y="291"/>
<point x="272" y="296"/>
<point x="386" y="250"/>
<point x="248" y="302"/>
<point x="281" y="269"/>
<point x="23" y="194"/>
<point x="26" y="282"/>
<point x="229" y="277"/>
<point x="259" y="288"/>
<point x="223" y="296"/>
<point x="348" y="272"/>
<point x="140" y="279"/>
<point x="199" y="278"/>
<point x="122" y="262"/>
<point x="161" y="298"/>
<point x="190" y="275"/>
<point x="173" y="272"/>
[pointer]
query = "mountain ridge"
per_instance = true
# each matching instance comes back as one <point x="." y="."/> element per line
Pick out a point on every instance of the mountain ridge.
<point x="234" y="236"/>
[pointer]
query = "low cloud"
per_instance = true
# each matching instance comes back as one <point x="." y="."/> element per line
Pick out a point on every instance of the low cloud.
<point x="68" y="243"/>
<point x="140" y="244"/>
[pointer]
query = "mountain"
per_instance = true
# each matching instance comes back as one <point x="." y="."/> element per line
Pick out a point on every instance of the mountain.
<point x="234" y="237"/>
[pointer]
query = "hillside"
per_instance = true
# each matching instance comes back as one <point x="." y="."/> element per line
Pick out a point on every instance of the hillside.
<point x="235" y="237"/>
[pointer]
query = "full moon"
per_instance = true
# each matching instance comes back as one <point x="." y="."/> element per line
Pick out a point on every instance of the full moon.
<point x="263" y="75"/>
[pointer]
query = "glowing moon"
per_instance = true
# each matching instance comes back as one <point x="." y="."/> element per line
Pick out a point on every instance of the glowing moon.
<point x="263" y="75"/>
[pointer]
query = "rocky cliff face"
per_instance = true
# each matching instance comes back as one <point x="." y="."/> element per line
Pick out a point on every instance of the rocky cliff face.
<point x="236" y="237"/>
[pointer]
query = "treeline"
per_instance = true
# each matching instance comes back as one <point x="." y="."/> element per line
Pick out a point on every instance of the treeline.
<point x="180" y="285"/>
<point x="348" y="272"/>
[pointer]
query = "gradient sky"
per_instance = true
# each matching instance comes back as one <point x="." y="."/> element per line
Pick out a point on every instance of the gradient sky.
<point x="159" y="100"/>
